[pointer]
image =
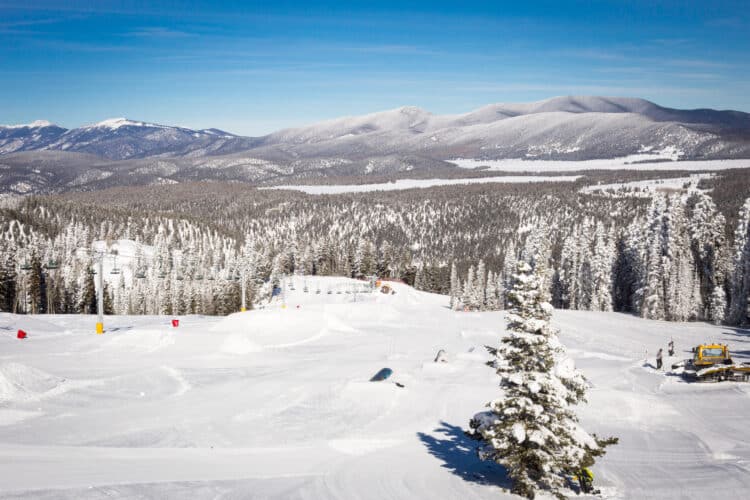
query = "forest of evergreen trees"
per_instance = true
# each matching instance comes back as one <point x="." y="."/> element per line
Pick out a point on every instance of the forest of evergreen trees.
<point x="673" y="256"/>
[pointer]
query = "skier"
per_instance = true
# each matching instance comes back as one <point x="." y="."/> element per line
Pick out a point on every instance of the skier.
<point x="585" y="480"/>
<point x="671" y="347"/>
<point x="659" y="356"/>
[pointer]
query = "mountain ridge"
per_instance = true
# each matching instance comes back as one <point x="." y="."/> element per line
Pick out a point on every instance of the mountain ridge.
<point x="405" y="139"/>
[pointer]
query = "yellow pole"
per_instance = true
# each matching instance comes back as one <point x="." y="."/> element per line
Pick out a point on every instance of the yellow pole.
<point x="100" y="297"/>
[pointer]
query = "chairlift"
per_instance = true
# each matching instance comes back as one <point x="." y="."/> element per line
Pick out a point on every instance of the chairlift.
<point x="211" y="278"/>
<point x="199" y="277"/>
<point x="140" y="275"/>
<point x="52" y="264"/>
<point x="25" y="266"/>
<point x="179" y="277"/>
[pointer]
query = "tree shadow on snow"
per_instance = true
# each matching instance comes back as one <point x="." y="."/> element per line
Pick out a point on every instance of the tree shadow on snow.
<point x="458" y="454"/>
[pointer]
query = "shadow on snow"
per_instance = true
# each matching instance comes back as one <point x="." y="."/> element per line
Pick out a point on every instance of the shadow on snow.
<point x="457" y="451"/>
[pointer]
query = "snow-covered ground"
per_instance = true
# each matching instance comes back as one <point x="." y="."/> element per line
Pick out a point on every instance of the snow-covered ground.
<point x="634" y="162"/>
<point x="648" y="187"/>
<point x="421" y="183"/>
<point x="276" y="403"/>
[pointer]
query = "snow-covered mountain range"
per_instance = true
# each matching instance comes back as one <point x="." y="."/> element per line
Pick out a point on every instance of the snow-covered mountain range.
<point x="119" y="139"/>
<point x="388" y="142"/>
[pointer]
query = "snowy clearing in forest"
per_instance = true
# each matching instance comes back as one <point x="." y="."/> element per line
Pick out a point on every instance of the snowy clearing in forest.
<point x="648" y="187"/>
<point x="422" y="183"/>
<point x="627" y="163"/>
<point x="277" y="403"/>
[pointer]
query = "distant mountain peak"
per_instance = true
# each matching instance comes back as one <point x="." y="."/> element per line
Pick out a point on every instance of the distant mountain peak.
<point x="34" y="124"/>
<point x="115" y="123"/>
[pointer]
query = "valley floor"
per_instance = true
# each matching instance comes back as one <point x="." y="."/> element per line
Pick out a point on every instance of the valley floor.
<point x="277" y="403"/>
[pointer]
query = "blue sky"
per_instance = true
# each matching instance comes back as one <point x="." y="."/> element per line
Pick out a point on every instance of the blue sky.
<point x="254" y="67"/>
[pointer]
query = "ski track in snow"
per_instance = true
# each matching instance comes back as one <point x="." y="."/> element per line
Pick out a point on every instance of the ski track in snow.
<point x="277" y="403"/>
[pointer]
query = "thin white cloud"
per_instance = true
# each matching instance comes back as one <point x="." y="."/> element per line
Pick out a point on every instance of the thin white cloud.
<point x="159" y="32"/>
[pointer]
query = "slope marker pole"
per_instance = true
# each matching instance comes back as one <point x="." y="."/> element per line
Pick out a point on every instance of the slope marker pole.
<point x="100" y="298"/>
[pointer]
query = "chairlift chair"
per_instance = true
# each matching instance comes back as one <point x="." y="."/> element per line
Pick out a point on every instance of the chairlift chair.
<point x="52" y="264"/>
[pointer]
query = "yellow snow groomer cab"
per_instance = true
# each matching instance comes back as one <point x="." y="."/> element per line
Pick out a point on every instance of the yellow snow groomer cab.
<point x="710" y="354"/>
<point x="712" y="362"/>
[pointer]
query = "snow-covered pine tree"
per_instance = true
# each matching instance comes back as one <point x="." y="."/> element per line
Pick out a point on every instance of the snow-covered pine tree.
<point x="491" y="293"/>
<point x="682" y="297"/>
<point x="739" y="308"/>
<point x="454" y="287"/>
<point x="478" y="298"/>
<point x="601" y="269"/>
<point x="707" y="232"/>
<point x="419" y="279"/>
<point x="651" y="295"/>
<point x="468" y="290"/>
<point x="532" y="429"/>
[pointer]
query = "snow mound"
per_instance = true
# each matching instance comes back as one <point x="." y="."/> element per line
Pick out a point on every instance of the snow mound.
<point x="361" y="446"/>
<point x="146" y="340"/>
<point x="269" y="329"/>
<point x="239" y="344"/>
<point x="19" y="382"/>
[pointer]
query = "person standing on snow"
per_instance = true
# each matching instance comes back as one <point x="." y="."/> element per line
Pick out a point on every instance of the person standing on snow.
<point x="659" y="355"/>
<point x="671" y="347"/>
<point x="585" y="480"/>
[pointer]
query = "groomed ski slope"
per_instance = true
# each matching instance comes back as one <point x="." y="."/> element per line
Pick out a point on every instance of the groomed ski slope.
<point x="276" y="403"/>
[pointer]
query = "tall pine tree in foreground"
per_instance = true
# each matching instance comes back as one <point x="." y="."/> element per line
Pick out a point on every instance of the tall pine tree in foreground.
<point x="532" y="429"/>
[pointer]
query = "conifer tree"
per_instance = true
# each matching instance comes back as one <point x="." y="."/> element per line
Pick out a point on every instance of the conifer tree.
<point x="455" y="290"/>
<point x="532" y="429"/>
<point x="480" y="288"/>
<point x="739" y="309"/>
<point x="468" y="289"/>
<point x="88" y="297"/>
